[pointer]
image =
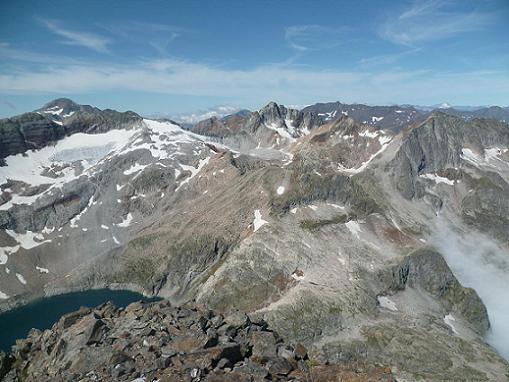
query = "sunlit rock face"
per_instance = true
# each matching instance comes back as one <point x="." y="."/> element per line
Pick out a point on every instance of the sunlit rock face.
<point x="331" y="230"/>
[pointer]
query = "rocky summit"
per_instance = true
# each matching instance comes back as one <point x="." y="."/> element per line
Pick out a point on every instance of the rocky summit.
<point x="318" y="244"/>
<point x="160" y="342"/>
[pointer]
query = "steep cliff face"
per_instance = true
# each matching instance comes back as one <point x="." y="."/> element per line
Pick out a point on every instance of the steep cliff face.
<point x="27" y="131"/>
<point x="444" y="142"/>
<point x="471" y="156"/>
<point x="323" y="230"/>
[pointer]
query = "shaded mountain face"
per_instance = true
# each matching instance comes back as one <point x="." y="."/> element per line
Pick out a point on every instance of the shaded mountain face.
<point x="57" y="119"/>
<point x="348" y="237"/>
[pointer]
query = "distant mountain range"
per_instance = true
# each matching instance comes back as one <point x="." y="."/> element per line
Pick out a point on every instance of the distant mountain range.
<point x="393" y="118"/>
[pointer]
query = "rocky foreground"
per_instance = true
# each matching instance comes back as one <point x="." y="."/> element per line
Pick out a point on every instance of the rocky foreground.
<point x="161" y="342"/>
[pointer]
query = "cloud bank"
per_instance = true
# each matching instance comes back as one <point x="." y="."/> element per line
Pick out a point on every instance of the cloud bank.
<point x="480" y="263"/>
<point x="288" y="84"/>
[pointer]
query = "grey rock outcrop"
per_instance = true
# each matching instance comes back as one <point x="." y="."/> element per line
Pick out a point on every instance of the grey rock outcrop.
<point x="27" y="132"/>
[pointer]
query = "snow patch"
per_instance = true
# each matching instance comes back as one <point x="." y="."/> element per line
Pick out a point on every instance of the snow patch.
<point x="471" y="157"/>
<point x="368" y="134"/>
<point x="89" y="149"/>
<point x="53" y="110"/>
<point x="384" y="142"/>
<point x="281" y="131"/>
<point x="387" y="303"/>
<point x="449" y="321"/>
<point x="68" y="114"/>
<point x="47" y="230"/>
<point x="5" y="252"/>
<point x="258" y="222"/>
<point x="134" y="169"/>
<point x="290" y="126"/>
<point x="493" y="153"/>
<point x="126" y="221"/>
<point x="438" y="179"/>
<point x="354" y="228"/>
<point x="27" y="240"/>
<point x="194" y="171"/>
<point x="21" y="278"/>
<point x="42" y="270"/>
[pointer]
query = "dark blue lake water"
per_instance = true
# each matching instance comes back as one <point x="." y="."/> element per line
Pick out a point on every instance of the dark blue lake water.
<point x="43" y="313"/>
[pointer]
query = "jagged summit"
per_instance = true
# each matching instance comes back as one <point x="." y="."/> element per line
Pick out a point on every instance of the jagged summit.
<point x="272" y="126"/>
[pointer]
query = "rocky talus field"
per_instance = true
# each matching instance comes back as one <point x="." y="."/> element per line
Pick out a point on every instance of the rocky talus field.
<point x="160" y="342"/>
<point x="334" y="243"/>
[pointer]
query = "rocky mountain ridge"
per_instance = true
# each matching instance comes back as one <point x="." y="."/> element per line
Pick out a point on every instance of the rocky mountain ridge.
<point x="56" y="120"/>
<point x="398" y="117"/>
<point x="328" y="231"/>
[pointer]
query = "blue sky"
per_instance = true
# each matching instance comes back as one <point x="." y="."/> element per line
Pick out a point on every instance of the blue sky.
<point x="180" y="56"/>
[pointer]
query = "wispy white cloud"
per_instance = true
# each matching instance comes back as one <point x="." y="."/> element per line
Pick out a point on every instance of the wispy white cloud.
<point x="314" y="37"/>
<point x="12" y="53"/>
<point x="432" y="20"/>
<point x="421" y="8"/>
<point x="287" y="84"/>
<point x="88" y="40"/>
<point x="158" y="36"/>
<point x="386" y="59"/>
